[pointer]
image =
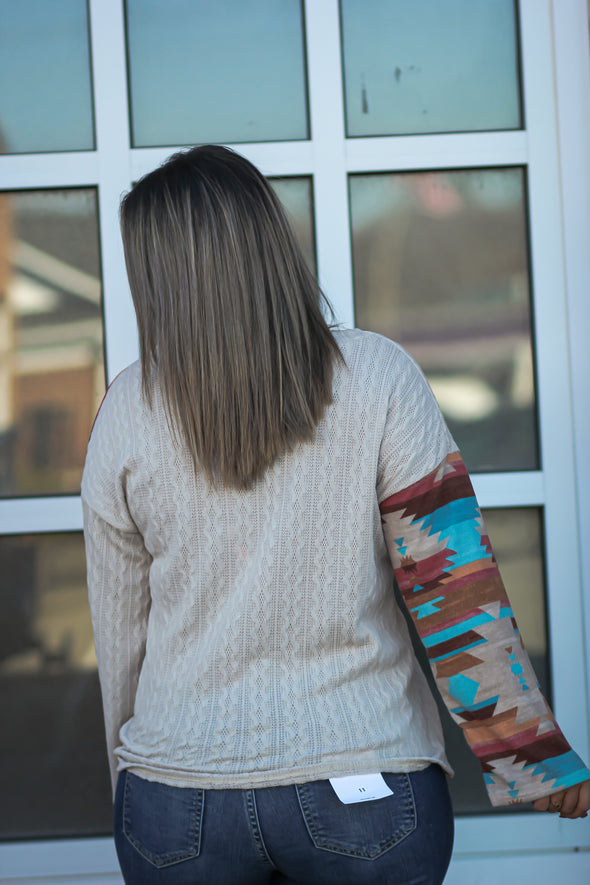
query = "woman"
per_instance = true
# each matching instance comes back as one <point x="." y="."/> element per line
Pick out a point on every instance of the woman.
<point x="251" y="487"/>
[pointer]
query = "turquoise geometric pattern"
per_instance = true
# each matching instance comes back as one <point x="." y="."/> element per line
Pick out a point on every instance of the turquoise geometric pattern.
<point x="427" y="608"/>
<point x="446" y="570"/>
<point x="463" y="688"/>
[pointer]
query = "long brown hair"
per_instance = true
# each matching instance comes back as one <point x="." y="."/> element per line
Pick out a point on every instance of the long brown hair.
<point x="229" y="315"/>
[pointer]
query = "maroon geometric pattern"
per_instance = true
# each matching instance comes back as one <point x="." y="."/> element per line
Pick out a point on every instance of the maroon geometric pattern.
<point x="447" y="573"/>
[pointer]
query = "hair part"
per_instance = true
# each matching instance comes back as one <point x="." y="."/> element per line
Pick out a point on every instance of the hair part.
<point x="229" y="314"/>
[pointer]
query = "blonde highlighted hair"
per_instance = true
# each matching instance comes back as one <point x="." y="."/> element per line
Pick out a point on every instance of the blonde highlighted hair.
<point x="229" y="315"/>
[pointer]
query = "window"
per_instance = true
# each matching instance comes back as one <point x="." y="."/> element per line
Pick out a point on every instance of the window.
<point x="53" y="733"/>
<point x="441" y="265"/>
<point x="45" y="77"/>
<point x="430" y="67"/>
<point x="52" y="371"/>
<point x="230" y="71"/>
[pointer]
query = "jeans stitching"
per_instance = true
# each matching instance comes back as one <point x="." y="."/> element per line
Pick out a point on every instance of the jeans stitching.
<point x="413" y="802"/>
<point x="254" y="826"/>
<point x="194" y="834"/>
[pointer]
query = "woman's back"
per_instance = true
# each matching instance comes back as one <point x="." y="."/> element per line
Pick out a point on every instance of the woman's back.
<point x="274" y="643"/>
<point x="249" y="492"/>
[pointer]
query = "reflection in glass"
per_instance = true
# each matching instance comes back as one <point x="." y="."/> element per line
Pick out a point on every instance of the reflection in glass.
<point x="295" y="193"/>
<point x="229" y="71"/>
<point x="428" y="66"/>
<point x="52" y="749"/>
<point x="51" y="340"/>
<point x="517" y="538"/>
<point x="45" y="77"/>
<point x="441" y="265"/>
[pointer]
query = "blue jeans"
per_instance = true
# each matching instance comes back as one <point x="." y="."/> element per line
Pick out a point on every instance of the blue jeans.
<point x="301" y="834"/>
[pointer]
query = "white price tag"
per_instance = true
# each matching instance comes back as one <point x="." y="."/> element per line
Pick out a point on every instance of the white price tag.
<point x="360" y="788"/>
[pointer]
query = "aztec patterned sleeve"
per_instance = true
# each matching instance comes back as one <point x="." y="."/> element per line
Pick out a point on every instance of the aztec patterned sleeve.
<point x="447" y="573"/>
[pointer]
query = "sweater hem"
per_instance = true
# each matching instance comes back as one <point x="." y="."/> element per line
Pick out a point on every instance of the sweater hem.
<point x="296" y="775"/>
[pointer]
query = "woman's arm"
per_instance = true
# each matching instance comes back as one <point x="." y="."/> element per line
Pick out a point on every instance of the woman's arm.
<point x="118" y="589"/>
<point x="448" y="577"/>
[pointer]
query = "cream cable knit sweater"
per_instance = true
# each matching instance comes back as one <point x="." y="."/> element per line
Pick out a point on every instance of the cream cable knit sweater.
<point x="247" y="639"/>
<point x="250" y="639"/>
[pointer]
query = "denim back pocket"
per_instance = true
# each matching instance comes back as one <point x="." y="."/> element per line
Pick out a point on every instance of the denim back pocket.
<point x="363" y="829"/>
<point x="162" y="823"/>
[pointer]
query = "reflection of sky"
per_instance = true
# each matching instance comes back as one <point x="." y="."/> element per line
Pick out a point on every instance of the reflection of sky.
<point x="45" y="76"/>
<point x="227" y="71"/>
<point x="428" y="66"/>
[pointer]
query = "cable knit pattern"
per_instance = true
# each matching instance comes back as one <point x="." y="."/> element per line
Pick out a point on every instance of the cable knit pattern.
<point x="274" y="650"/>
<point x="251" y="639"/>
<point x="120" y="610"/>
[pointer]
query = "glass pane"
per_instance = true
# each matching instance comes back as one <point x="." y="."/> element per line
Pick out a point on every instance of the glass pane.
<point x="429" y="66"/>
<point x="441" y="265"/>
<point x="45" y="76"/>
<point x="296" y="196"/>
<point x="230" y="71"/>
<point x="52" y="750"/>
<point x="51" y="338"/>
<point x="517" y="538"/>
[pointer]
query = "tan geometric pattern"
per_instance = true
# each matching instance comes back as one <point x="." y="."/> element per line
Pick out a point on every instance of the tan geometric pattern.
<point x="448" y="577"/>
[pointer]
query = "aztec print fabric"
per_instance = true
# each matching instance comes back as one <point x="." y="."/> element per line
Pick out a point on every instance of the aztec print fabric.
<point x="447" y="573"/>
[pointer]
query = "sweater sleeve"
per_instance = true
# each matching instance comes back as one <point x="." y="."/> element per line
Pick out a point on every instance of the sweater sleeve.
<point x="448" y="577"/>
<point x="118" y="589"/>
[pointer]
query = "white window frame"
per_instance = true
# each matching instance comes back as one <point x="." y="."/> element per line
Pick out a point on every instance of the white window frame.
<point x="554" y="148"/>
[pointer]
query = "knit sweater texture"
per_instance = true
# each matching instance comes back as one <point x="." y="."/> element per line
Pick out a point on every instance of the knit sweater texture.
<point x="251" y="638"/>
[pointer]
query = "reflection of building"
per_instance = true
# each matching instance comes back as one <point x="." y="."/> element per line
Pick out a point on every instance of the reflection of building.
<point x="52" y="379"/>
<point x="49" y="689"/>
<point x="51" y="374"/>
<point x="52" y="346"/>
<point x="440" y="265"/>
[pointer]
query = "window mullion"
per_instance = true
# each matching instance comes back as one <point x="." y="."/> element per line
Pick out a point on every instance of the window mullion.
<point x="329" y="161"/>
<point x="510" y="489"/>
<point x="24" y="171"/>
<point x="112" y="138"/>
<point x="60" y="513"/>
<point x="272" y="158"/>
<point x="464" y="150"/>
<point x="572" y="54"/>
